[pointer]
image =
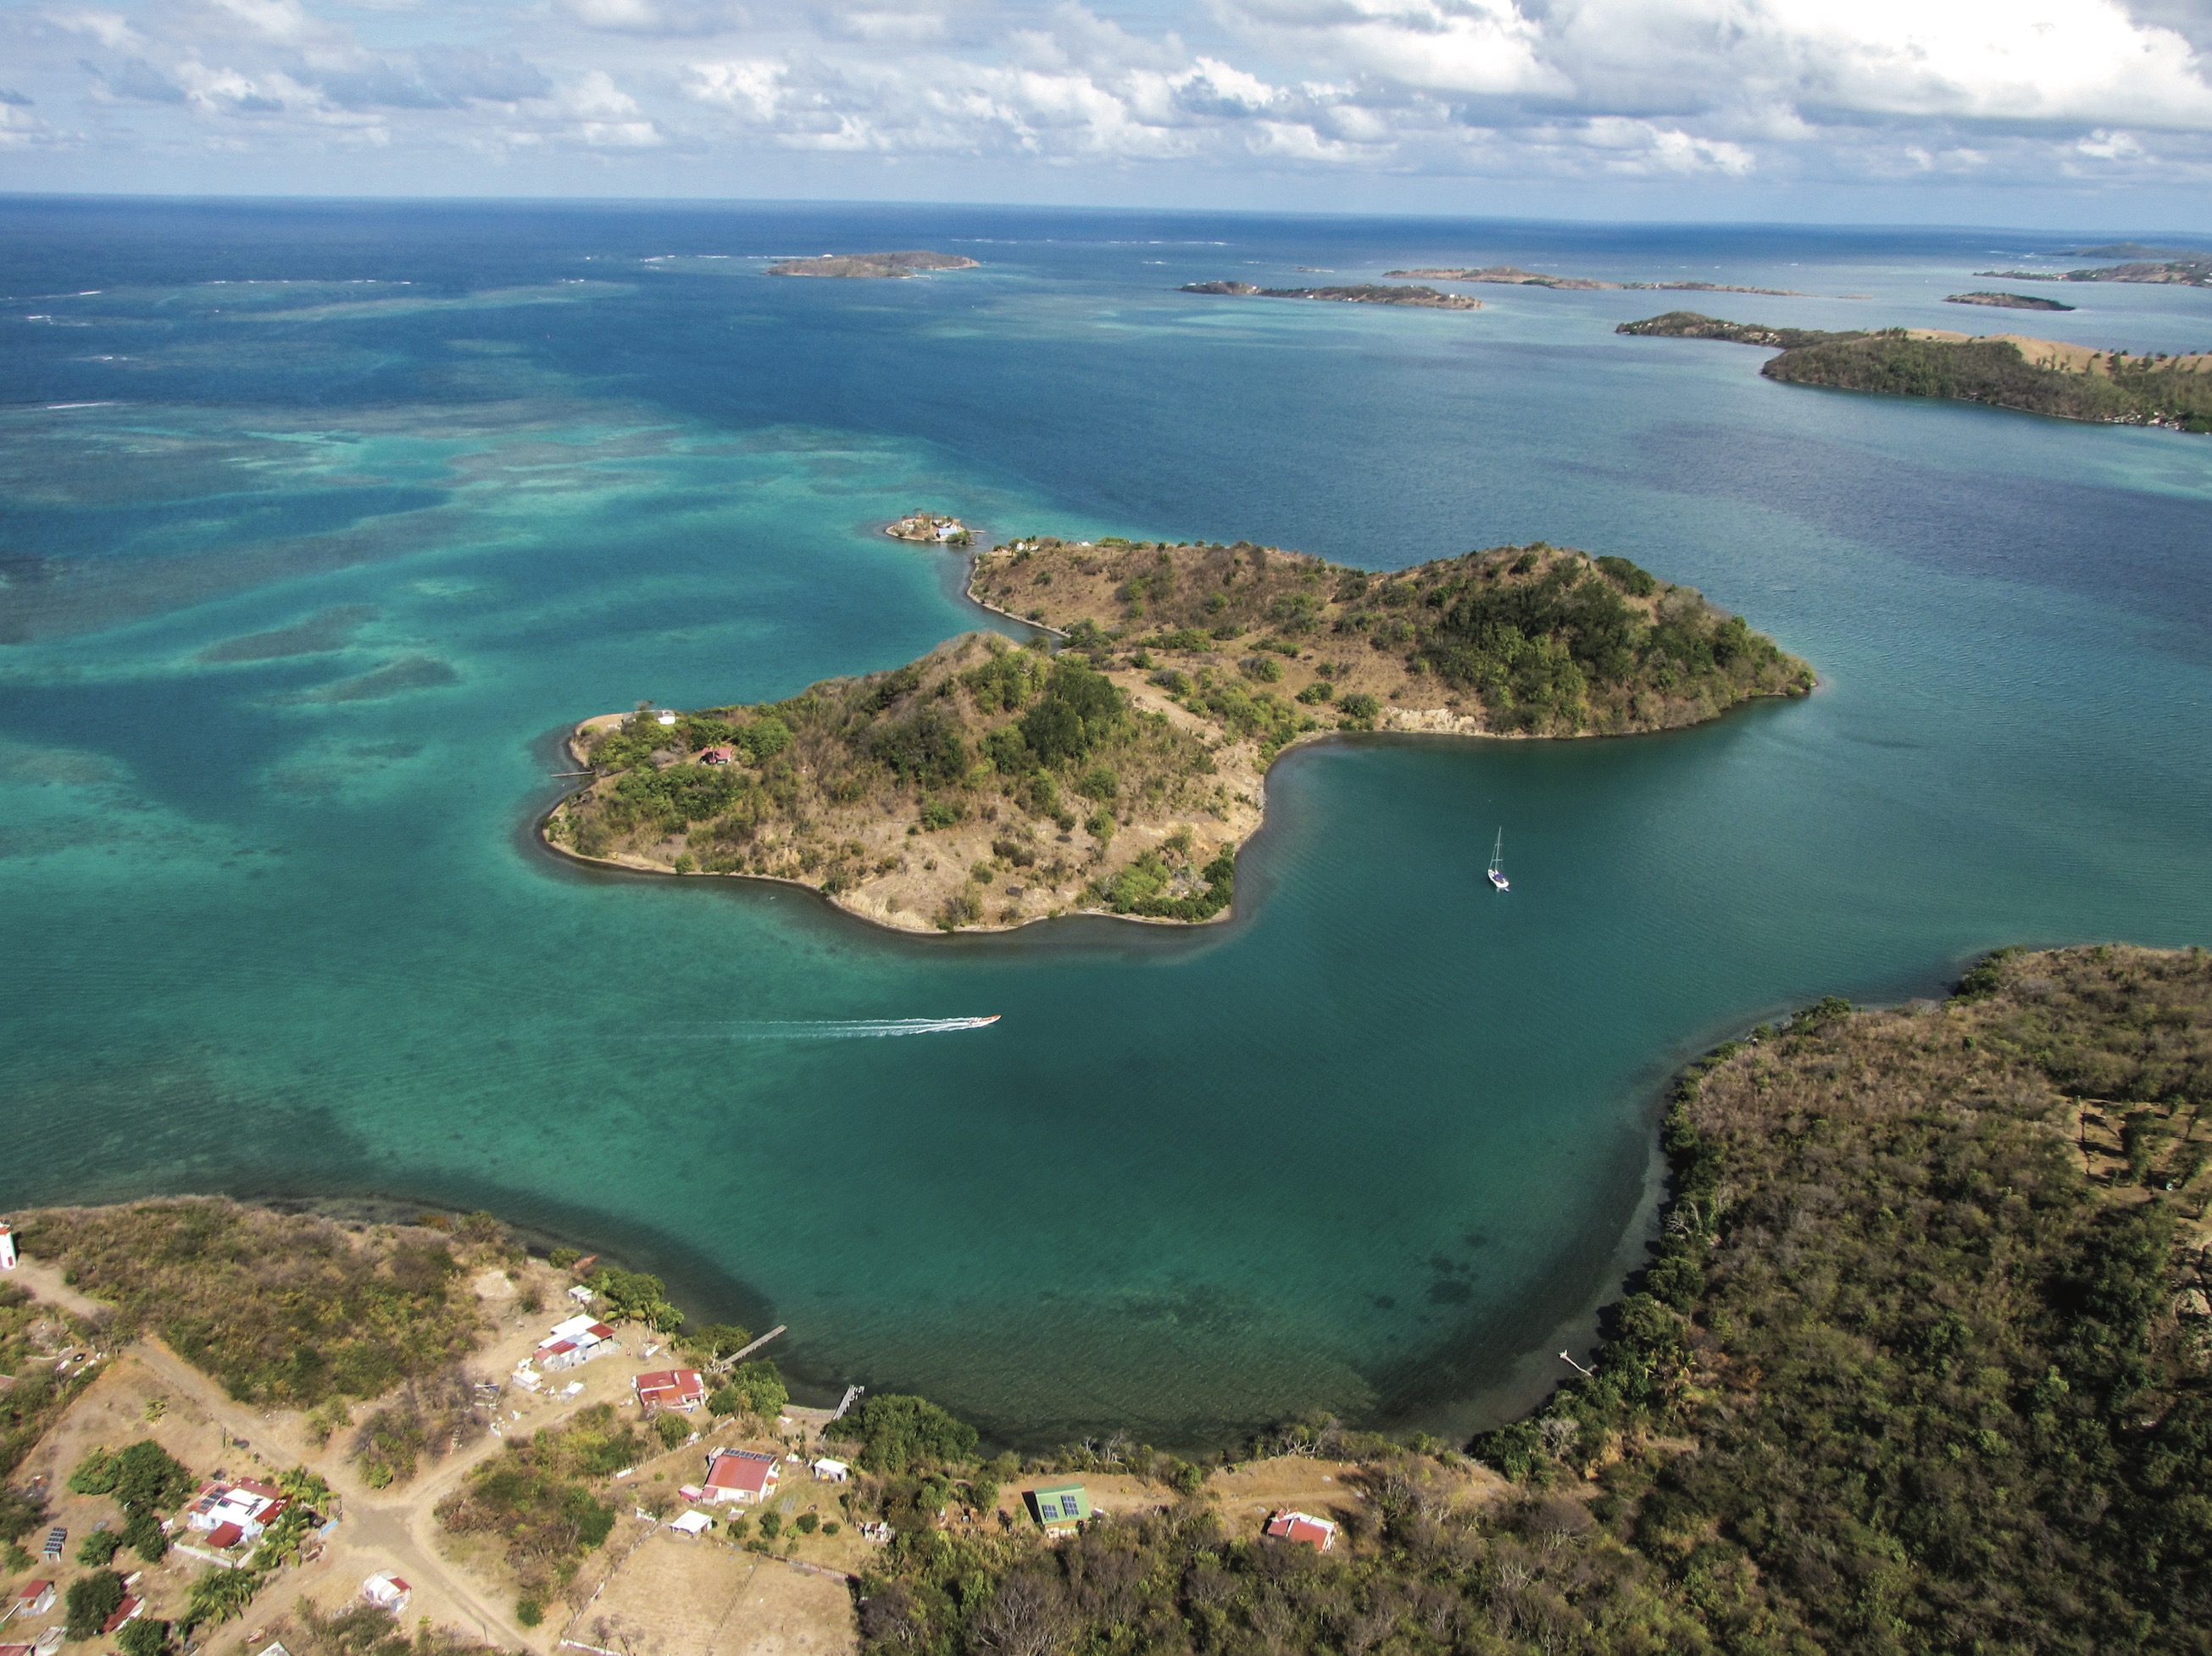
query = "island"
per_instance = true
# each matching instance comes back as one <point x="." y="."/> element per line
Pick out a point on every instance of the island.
<point x="2007" y="301"/>
<point x="2009" y="371"/>
<point x="1514" y="275"/>
<point x="2191" y="272"/>
<point x="931" y="528"/>
<point x="987" y="784"/>
<point x="877" y="266"/>
<point x="1364" y="294"/>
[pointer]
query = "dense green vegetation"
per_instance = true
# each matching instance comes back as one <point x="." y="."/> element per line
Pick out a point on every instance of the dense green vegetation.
<point x="281" y="1309"/>
<point x="1537" y="638"/>
<point x="897" y="1432"/>
<point x="2130" y="390"/>
<point x="1908" y="1373"/>
<point x="750" y="1388"/>
<point x="2117" y="389"/>
<point x="1694" y="325"/>
<point x="541" y="1499"/>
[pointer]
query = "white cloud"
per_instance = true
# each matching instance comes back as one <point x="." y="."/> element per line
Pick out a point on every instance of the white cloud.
<point x="1719" y="92"/>
<point x="1484" y="46"/>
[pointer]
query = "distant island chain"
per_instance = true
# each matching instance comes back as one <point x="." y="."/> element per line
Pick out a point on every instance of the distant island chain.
<point x="989" y="783"/>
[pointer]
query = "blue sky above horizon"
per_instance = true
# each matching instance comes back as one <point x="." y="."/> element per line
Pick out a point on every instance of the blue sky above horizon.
<point x="2076" y="113"/>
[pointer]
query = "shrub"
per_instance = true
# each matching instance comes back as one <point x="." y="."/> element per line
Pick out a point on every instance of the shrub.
<point x="537" y="1497"/>
<point x="143" y="1637"/>
<point x="98" y="1548"/>
<point x="771" y="1525"/>
<point x="280" y="1309"/>
<point x="529" y="1612"/>
<point x="806" y="1523"/>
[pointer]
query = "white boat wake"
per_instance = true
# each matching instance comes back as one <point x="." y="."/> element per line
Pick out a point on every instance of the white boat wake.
<point x="841" y="1028"/>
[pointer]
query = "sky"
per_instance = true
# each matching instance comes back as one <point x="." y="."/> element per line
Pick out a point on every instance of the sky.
<point x="2073" y="114"/>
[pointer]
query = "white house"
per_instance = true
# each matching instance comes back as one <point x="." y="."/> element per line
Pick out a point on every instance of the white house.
<point x="387" y="1591"/>
<point x="580" y="1339"/>
<point x="831" y="1471"/>
<point x="7" y="1247"/>
<point x="228" y="1513"/>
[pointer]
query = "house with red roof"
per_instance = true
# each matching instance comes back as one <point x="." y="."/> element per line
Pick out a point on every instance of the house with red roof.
<point x="741" y="1475"/>
<point x="16" y="1650"/>
<point x="129" y="1610"/>
<point x="1302" y="1528"/>
<point x="34" y="1598"/>
<point x="684" y="1389"/>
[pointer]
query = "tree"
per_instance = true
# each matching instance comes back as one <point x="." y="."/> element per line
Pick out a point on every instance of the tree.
<point x="755" y="1387"/>
<point x="149" y="1479"/>
<point x="897" y="1432"/>
<point x="637" y="1295"/>
<point x="1079" y="706"/>
<point x="92" y="1599"/>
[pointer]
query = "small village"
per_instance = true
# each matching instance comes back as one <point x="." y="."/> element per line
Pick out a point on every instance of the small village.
<point x="172" y="1519"/>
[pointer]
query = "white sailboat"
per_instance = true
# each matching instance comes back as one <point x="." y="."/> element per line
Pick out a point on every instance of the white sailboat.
<point x="1497" y="863"/>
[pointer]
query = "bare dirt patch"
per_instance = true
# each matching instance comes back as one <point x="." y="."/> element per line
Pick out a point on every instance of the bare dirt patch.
<point x="674" y="1597"/>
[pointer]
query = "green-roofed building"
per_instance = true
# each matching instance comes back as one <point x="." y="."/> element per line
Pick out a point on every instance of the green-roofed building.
<point x="1059" y="1507"/>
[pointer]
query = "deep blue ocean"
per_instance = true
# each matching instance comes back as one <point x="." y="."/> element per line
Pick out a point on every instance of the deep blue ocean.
<point x="319" y="523"/>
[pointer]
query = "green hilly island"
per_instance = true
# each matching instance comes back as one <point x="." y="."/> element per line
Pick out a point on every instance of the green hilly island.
<point x="2009" y="371"/>
<point x="987" y="783"/>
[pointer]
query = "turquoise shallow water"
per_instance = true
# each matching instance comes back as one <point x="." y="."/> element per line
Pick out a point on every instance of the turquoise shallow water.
<point x="275" y="922"/>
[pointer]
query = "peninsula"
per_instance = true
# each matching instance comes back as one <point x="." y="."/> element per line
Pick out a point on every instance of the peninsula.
<point x="878" y="266"/>
<point x="2009" y="371"/>
<point x="2007" y="301"/>
<point x="1514" y="275"/>
<point x="2194" y="272"/>
<point x="988" y="785"/>
<point x="1364" y="294"/>
<point x="1929" y="1279"/>
<point x="1926" y="1319"/>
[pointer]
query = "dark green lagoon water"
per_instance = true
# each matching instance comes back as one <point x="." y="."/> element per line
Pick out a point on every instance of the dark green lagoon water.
<point x="275" y="923"/>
